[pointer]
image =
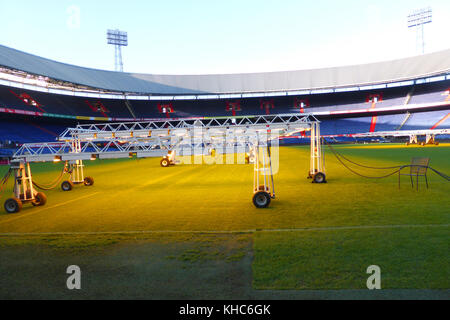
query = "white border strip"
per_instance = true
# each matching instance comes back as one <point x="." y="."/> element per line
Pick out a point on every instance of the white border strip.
<point x="306" y="229"/>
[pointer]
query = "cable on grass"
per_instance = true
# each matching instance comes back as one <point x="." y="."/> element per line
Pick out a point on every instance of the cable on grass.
<point x="55" y="183"/>
<point x="4" y="180"/>
<point x="398" y="168"/>
<point x="355" y="163"/>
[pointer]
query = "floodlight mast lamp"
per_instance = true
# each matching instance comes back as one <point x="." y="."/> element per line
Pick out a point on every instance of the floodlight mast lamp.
<point x="417" y="20"/>
<point x="119" y="39"/>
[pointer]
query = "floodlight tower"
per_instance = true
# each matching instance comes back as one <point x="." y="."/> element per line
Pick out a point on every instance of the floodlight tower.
<point x="417" y="20"/>
<point x="119" y="39"/>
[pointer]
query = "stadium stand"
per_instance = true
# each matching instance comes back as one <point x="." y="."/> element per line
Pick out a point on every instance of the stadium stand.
<point x="411" y="93"/>
<point x="431" y="93"/>
<point x="417" y="121"/>
<point x="428" y="120"/>
<point x="20" y="131"/>
<point x="56" y="104"/>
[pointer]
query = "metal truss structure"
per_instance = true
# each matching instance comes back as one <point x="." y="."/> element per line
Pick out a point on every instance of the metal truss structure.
<point x="157" y="138"/>
<point x="253" y="137"/>
<point x="430" y="135"/>
<point x="124" y="130"/>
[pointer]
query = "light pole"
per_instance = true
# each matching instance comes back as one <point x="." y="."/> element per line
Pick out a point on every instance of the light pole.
<point x="119" y="39"/>
<point x="417" y="20"/>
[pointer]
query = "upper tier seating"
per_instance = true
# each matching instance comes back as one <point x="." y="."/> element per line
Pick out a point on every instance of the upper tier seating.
<point x="114" y="108"/>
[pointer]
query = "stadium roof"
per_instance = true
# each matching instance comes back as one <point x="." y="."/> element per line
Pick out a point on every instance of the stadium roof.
<point x="427" y="65"/>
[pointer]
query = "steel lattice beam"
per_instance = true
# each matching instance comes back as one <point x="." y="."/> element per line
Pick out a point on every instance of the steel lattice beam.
<point x="157" y="138"/>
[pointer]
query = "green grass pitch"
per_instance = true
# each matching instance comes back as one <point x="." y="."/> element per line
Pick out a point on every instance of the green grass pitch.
<point x="323" y="235"/>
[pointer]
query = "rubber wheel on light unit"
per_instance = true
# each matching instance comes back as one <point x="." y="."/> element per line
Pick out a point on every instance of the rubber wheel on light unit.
<point x="261" y="199"/>
<point x="88" y="181"/>
<point x="40" y="199"/>
<point x="319" y="177"/>
<point x="13" y="205"/>
<point x="67" y="185"/>
<point x="165" y="162"/>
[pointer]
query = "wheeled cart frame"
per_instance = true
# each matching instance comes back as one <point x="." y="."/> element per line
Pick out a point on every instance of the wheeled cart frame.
<point x="24" y="191"/>
<point x="263" y="185"/>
